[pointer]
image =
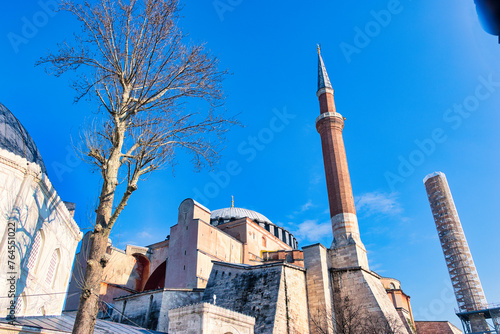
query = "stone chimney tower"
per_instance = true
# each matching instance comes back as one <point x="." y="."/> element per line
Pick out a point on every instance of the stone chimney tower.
<point x="350" y="251"/>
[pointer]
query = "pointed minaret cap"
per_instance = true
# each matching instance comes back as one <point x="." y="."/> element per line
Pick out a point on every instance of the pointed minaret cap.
<point x="324" y="84"/>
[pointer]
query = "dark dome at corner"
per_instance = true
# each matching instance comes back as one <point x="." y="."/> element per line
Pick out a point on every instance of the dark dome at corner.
<point x="15" y="139"/>
<point x="238" y="213"/>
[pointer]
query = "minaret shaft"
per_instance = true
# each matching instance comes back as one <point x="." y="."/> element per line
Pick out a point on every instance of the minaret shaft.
<point x="338" y="181"/>
<point x="326" y="103"/>
<point x="348" y="271"/>
<point x="342" y="210"/>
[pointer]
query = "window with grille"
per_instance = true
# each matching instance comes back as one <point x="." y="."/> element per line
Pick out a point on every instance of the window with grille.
<point x="35" y="251"/>
<point x="54" y="262"/>
<point x="19" y="305"/>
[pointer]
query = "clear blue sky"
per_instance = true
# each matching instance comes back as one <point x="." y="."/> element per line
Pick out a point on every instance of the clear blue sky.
<point x="400" y="86"/>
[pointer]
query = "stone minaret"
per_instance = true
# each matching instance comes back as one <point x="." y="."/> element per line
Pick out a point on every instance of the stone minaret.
<point x="346" y="266"/>
<point x="463" y="274"/>
<point x="346" y="239"/>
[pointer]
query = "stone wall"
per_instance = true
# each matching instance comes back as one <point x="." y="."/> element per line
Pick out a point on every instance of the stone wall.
<point x="274" y="294"/>
<point x="351" y="255"/>
<point x="434" y="327"/>
<point x="319" y="289"/>
<point x="174" y="298"/>
<point x="366" y="293"/>
<point x="194" y="243"/>
<point x="209" y="319"/>
<point x="141" y="309"/>
<point x="291" y="313"/>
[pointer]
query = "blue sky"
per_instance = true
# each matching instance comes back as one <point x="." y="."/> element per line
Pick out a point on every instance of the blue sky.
<point x="418" y="83"/>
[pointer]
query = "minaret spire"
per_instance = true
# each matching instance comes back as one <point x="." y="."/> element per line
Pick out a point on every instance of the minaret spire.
<point x="323" y="80"/>
<point x="342" y="211"/>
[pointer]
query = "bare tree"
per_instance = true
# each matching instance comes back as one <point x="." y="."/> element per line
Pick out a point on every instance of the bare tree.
<point x="139" y="69"/>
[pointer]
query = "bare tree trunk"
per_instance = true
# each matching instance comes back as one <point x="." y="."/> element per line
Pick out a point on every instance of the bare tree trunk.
<point x="97" y="260"/>
<point x="89" y="298"/>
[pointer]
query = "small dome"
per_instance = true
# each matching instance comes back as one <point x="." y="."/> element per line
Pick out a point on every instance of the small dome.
<point x="15" y="139"/>
<point x="238" y="213"/>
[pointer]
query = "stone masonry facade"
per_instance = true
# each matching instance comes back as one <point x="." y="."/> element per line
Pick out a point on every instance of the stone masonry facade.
<point x="275" y="295"/>
<point x="207" y="318"/>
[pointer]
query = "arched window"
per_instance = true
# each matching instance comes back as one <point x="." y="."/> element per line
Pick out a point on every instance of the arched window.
<point x="392" y="286"/>
<point x="53" y="266"/>
<point x="36" y="246"/>
<point x="20" y="305"/>
<point x="264" y="243"/>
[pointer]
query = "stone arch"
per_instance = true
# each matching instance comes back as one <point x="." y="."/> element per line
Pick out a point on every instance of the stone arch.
<point x="141" y="267"/>
<point x="157" y="278"/>
<point x="229" y="330"/>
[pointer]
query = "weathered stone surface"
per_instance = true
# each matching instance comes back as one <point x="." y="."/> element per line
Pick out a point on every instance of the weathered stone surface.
<point x="246" y="290"/>
<point x="206" y="318"/>
<point x="174" y="298"/>
<point x="274" y="294"/>
<point x="319" y="289"/>
<point x="436" y="327"/>
<point x="365" y="291"/>
<point x="141" y="309"/>
<point x="291" y="313"/>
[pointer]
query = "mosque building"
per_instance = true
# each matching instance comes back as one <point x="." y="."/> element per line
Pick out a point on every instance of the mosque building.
<point x="224" y="271"/>
<point x="237" y="270"/>
<point x="38" y="233"/>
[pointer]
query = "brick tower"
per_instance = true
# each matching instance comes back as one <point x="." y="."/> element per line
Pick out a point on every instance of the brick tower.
<point x="463" y="274"/>
<point x="352" y="285"/>
<point x="346" y="240"/>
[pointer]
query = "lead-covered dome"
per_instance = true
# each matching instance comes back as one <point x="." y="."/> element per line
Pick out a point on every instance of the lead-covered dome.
<point x="15" y="139"/>
<point x="232" y="213"/>
<point x="226" y="215"/>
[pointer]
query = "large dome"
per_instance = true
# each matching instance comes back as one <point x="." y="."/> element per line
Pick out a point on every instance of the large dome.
<point x="15" y="139"/>
<point x="226" y="215"/>
<point x="238" y="213"/>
